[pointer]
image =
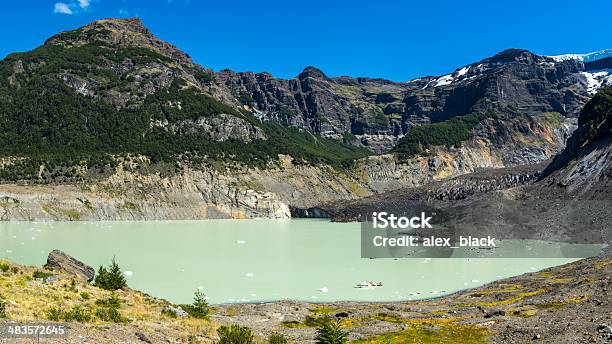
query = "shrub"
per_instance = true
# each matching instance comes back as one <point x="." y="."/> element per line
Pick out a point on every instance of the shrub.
<point x="235" y="334"/>
<point x="85" y="295"/>
<point x="108" y="310"/>
<point x="54" y="314"/>
<point x="111" y="314"/>
<point x="111" y="302"/>
<point x="3" y="314"/>
<point x="41" y="274"/>
<point x="4" y="267"/>
<point x="330" y="332"/>
<point x="79" y="314"/>
<point x="277" y="338"/>
<point x="111" y="279"/>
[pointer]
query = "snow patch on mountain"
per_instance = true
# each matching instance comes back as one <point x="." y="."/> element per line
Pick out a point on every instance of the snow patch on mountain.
<point x="597" y="55"/>
<point x="445" y="80"/>
<point x="449" y="78"/>
<point x="597" y="80"/>
<point x="463" y="71"/>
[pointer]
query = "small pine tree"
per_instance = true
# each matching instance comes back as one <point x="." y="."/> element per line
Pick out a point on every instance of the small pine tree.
<point x="111" y="279"/>
<point x="330" y="332"/>
<point x="101" y="279"/>
<point x="235" y="334"/>
<point x="200" y="305"/>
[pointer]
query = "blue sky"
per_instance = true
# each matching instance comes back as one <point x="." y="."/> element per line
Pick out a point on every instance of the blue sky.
<point x="397" y="40"/>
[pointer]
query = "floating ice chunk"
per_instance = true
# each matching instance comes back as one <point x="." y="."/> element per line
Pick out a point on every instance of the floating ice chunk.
<point x="249" y="274"/>
<point x="240" y="242"/>
<point x="33" y="238"/>
<point x="324" y="290"/>
<point x="314" y="297"/>
<point x="9" y="251"/>
<point x="253" y="295"/>
<point x="475" y="281"/>
<point x="532" y="268"/>
<point x="200" y="288"/>
<point x="128" y="273"/>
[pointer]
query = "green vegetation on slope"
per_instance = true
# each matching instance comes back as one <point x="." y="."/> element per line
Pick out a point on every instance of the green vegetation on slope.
<point x="450" y="133"/>
<point x="442" y="334"/>
<point x="45" y="123"/>
<point x="596" y="116"/>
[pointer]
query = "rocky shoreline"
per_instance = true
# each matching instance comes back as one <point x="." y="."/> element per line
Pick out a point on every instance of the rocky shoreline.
<point x="565" y="304"/>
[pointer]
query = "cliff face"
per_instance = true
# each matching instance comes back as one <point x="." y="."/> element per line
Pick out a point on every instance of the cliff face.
<point x="138" y="190"/>
<point x="376" y="113"/>
<point x="584" y="169"/>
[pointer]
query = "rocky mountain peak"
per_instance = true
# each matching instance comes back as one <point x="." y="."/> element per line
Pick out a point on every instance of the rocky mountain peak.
<point x="122" y="24"/>
<point x="119" y="32"/>
<point x="514" y="55"/>
<point x="312" y="72"/>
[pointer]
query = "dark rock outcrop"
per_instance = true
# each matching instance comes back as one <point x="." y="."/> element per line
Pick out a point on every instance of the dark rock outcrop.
<point x="62" y="261"/>
<point x="378" y="111"/>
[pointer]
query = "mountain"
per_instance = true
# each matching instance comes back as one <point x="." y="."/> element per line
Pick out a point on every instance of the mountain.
<point x="568" y="199"/>
<point x="584" y="169"/>
<point x="378" y="112"/>
<point x="114" y="112"/>
<point x="112" y="87"/>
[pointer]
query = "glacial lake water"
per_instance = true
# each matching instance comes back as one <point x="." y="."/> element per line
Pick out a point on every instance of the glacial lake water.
<point x="253" y="260"/>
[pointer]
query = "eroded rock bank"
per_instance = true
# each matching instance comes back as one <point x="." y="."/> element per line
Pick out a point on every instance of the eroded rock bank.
<point x="138" y="190"/>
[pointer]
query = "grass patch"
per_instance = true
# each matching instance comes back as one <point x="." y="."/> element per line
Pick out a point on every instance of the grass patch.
<point x="53" y="210"/>
<point x="444" y="334"/>
<point x="513" y="299"/>
<point x="561" y="304"/>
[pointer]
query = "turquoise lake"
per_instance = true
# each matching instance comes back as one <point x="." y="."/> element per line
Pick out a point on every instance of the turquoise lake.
<point x="253" y="260"/>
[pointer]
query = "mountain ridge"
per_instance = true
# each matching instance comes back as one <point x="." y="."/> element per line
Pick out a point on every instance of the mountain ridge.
<point x="109" y="106"/>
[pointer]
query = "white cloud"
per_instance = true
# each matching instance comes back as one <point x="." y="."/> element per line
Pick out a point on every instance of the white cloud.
<point x="84" y="3"/>
<point x="123" y="12"/>
<point x="62" y="8"/>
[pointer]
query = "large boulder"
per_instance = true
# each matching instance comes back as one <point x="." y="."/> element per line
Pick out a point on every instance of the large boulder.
<point x="62" y="261"/>
<point x="175" y="312"/>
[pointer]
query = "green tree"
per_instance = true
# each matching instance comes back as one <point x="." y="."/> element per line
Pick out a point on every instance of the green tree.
<point x="111" y="278"/>
<point x="235" y="334"/>
<point x="199" y="309"/>
<point x="330" y="332"/>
